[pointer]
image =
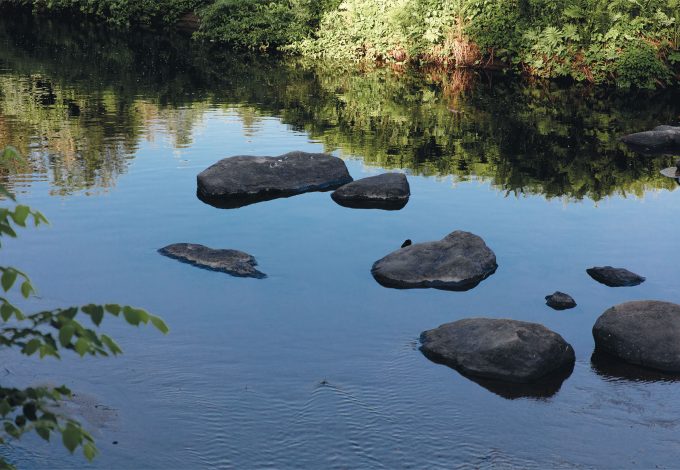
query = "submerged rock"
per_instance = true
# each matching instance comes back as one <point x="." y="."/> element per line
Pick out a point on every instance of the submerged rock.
<point x="460" y="261"/>
<point x="500" y="349"/>
<point x="242" y="180"/>
<point x="234" y="262"/>
<point x="560" y="301"/>
<point x="644" y="332"/>
<point x="660" y="139"/>
<point x="615" y="277"/>
<point x="388" y="191"/>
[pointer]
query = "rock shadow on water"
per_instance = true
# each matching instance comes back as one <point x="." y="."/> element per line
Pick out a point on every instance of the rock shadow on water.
<point x="236" y="202"/>
<point x="372" y="204"/>
<point x="543" y="389"/>
<point x="610" y="367"/>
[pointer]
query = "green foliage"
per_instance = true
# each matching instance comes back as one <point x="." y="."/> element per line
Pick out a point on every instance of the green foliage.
<point x="48" y="333"/>
<point x="597" y="41"/>
<point x="120" y="12"/>
<point x="639" y="66"/>
<point x="258" y="24"/>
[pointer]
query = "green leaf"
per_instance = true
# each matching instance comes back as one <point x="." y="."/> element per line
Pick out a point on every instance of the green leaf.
<point x="6" y="310"/>
<point x="71" y="436"/>
<point x="65" y="334"/>
<point x="89" y="451"/>
<point x="20" y="214"/>
<point x="31" y="347"/>
<point x="160" y="324"/>
<point x="43" y="431"/>
<point x="113" y="309"/>
<point x="133" y="316"/>
<point x="26" y="289"/>
<point x="11" y="429"/>
<point x="9" y="275"/>
<point x="4" y="408"/>
<point x="111" y="344"/>
<point x="96" y="312"/>
<point x="63" y="390"/>
<point x="82" y="346"/>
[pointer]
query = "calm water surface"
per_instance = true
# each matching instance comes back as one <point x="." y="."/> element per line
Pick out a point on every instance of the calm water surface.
<point x="317" y="366"/>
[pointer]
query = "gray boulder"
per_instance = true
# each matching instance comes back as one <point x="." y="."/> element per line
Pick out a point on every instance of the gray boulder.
<point x="242" y="180"/>
<point x="644" y="332"/>
<point x="460" y="261"/>
<point x="234" y="262"/>
<point x="500" y="349"/>
<point x="660" y="139"/>
<point x="560" y="301"/>
<point x="388" y="191"/>
<point x="615" y="277"/>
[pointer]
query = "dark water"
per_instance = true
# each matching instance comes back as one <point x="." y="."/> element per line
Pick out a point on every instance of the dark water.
<point x="317" y="366"/>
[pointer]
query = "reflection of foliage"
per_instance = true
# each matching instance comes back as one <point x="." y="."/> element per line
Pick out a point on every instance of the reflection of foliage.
<point x="35" y="409"/>
<point x="91" y="106"/>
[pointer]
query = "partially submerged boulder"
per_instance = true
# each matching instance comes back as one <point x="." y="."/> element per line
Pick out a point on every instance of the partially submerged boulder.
<point x="242" y="180"/>
<point x="615" y="277"/>
<point x="460" y="261"/>
<point x="234" y="262"/>
<point x="500" y="349"/>
<point x="658" y="140"/>
<point x="389" y="191"/>
<point x="560" y="301"/>
<point x="643" y="332"/>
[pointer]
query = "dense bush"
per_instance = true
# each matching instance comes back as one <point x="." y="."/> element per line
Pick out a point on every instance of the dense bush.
<point x="119" y="12"/>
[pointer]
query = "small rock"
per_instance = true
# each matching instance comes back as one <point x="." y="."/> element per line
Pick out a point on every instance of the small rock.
<point x="389" y="191"/>
<point x="560" y="301"/>
<point x="234" y="262"/>
<point x="615" y="277"/>
<point x="406" y="243"/>
<point x="500" y="349"/>
<point x="460" y="261"/>
<point x="242" y="180"/>
<point x="644" y="332"/>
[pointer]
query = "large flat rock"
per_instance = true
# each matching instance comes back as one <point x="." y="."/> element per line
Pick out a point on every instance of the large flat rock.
<point x="389" y="191"/>
<point x="459" y="261"/>
<point x="643" y="332"/>
<point x="500" y="349"/>
<point x="242" y="180"/>
<point x="658" y="140"/>
<point x="615" y="277"/>
<point x="234" y="262"/>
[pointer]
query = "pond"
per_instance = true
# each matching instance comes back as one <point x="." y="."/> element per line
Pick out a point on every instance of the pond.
<point x="317" y="366"/>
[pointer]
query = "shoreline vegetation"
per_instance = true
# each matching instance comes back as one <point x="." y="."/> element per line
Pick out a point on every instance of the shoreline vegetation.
<point x="622" y="43"/>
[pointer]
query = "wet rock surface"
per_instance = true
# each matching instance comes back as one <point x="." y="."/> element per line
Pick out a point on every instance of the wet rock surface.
<point x="459" y="261"/>
<point x="643" y="332"/>
<point x="234" y="262"/>
<point x="499" y="349"/>
<point x="560" y="301"/>
<point x="659" y="139"/>
<point x="615" y="277"/>
<point x="241" y="180"/>
<point x="389" y="191"/>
